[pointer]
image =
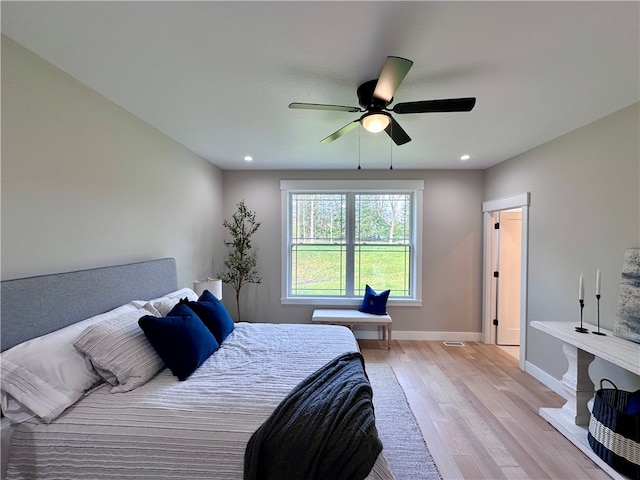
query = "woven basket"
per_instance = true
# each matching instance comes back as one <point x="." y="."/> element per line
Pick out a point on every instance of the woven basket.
<point x="614" y="435"/>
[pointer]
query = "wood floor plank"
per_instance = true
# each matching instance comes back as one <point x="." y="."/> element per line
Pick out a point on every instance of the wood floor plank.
<point x="468" y="467"/>
<point x="479" y="414"/>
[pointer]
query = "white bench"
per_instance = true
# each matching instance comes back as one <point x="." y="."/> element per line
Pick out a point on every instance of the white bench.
<point x="351" y="318"/>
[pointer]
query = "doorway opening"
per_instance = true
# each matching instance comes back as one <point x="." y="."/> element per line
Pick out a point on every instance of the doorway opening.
<point x="506" y="284"/>
<point x="505" y="274"/>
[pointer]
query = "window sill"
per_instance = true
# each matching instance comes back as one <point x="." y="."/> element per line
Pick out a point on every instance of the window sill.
<point x="348" y="302"/>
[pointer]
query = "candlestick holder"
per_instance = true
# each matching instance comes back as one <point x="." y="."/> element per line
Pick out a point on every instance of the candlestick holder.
<point x="598" y="332"/>
<point x="581" y="329"/>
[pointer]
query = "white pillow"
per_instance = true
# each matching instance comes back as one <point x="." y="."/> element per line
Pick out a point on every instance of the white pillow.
<point x="14" y="410"/>
<point x="120" y="352"/>
<point x="45" y="375"/>
<point x="164" y="304"/>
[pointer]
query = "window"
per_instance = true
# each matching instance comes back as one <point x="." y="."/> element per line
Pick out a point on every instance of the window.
<point x="340" y="236"/>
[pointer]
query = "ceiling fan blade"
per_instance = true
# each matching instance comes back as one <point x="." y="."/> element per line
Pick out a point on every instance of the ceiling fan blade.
<point x="429" y="106"/>
<point x="393" y="72"/>
<point x="318" y="106"/>
<point x="346" y="129"/>
<point x="397" y="134"/>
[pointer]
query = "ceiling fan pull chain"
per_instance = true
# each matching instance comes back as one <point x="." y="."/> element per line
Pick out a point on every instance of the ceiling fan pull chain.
<point x="358" y="148"/>
<point x="391" y="147"/>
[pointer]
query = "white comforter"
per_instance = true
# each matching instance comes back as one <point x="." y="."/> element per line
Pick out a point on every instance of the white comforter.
<point x="194" y="429"/>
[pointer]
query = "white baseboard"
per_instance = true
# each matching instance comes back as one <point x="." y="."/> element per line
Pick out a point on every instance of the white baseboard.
<point x="420" y="335"/>
<point x="544" y="378"/>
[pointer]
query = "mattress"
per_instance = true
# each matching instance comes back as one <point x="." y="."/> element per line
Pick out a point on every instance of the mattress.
<point x="194" y="429"/>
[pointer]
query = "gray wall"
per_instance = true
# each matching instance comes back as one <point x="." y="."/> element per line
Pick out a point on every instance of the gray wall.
<point x="585" y="210"/>
<point x="452" y="247"/>
<point x="85" y="183"/>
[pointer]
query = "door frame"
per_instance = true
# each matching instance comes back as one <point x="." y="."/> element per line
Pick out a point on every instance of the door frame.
<point x="488" y="208"/>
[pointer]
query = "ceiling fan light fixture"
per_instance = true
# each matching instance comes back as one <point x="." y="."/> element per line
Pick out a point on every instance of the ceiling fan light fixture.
<point x="375" y="122"/>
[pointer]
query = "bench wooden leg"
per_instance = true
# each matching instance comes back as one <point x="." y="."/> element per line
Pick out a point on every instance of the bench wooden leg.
<point x="388" y="337"/>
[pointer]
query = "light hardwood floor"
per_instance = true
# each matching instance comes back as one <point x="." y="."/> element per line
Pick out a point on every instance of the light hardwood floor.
<point x="479" y="412"/>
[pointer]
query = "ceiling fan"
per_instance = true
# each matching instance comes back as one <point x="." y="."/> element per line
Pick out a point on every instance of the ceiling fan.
<point x="374" y="98"/>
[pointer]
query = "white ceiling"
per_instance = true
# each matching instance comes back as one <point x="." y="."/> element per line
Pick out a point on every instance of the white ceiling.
<point x="218" y="76"/>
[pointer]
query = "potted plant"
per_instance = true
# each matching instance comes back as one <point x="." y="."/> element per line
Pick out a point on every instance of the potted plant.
<point x="240" y="263"/>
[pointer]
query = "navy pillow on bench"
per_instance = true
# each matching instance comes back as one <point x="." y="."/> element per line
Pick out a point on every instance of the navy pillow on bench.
<point x="375" y="303"/>
<point x="213" y="314"/>
<point x="181" y="340"/>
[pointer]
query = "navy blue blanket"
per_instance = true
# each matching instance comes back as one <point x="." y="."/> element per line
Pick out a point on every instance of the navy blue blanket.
<point x="324" y="429"/>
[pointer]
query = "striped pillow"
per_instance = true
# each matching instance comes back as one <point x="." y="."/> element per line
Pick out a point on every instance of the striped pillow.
<point x="120" y="352"/>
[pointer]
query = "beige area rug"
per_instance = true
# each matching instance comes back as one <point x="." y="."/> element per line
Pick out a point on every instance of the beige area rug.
<point x="404" y="447"/>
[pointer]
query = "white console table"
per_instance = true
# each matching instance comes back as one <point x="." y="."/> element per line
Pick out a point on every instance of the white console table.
<point x="572" y="419"/>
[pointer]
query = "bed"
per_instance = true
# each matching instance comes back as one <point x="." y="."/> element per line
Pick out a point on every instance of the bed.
<point x="162" y="427"/>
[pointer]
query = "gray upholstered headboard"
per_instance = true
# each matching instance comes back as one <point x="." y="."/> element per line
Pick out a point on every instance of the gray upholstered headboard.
<point x="34" y="306"/>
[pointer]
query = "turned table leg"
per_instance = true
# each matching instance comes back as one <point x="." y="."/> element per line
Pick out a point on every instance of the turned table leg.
<point x="577" y="384"/>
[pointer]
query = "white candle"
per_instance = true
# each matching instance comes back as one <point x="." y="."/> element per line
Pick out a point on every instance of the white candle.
<point x="598" y="282"/>
<point x="581" y="289"/>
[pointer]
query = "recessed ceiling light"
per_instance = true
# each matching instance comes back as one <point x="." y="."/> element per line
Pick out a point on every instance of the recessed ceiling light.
<point x="465" y="157"/>
<point x="248" y="158"/>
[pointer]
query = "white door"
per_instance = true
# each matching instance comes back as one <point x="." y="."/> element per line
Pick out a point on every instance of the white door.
<point x="509" y="277"/>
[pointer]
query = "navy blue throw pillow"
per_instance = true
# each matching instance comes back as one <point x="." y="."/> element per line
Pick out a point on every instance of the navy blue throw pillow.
<point x="375" y="303"/>
<point x="633" y="404"/>
<point x="180" y="339"/>
<point x="213" y="314"/>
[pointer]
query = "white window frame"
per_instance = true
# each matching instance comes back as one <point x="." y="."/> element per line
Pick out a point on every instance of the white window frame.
<point x="416" y="187"/>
